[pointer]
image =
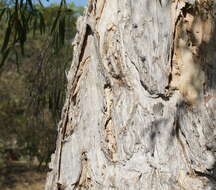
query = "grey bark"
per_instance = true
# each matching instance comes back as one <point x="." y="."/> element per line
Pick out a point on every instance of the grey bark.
<point x="141" y="99"/>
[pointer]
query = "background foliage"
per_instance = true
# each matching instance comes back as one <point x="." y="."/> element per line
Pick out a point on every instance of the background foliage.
<point x="35" y="53"/>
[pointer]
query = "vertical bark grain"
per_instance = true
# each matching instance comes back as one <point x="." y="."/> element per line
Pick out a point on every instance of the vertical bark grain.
<point x="141" y="99"/>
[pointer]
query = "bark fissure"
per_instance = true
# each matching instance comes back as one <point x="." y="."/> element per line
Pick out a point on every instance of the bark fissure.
<point x="177" y="20"/>
<point x="109" y="144"/>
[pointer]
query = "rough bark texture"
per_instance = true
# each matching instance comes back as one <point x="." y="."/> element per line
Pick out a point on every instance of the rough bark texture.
<point x="141" y="99"/>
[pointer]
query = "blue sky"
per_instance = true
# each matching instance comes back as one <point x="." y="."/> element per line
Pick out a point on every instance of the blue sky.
<point x="77" y="2"/>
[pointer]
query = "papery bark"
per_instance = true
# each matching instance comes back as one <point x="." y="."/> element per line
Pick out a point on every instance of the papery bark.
<point x="127" y="123"/>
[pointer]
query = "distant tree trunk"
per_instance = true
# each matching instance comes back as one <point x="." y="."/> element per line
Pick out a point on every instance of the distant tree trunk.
<point x="141" y="99"/>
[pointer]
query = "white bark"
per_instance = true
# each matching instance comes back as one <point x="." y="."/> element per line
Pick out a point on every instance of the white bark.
<point x="140" y="107"/>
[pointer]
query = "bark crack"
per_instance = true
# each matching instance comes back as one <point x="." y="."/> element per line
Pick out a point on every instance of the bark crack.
<point x="178" y="19"/>
<point x="110" y="145"/>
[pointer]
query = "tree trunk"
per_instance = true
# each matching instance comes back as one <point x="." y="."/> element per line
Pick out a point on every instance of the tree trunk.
<point x="141" y="99"/>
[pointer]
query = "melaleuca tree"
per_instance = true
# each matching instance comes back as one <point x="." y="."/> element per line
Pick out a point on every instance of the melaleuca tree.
<point x="140" y="104"/>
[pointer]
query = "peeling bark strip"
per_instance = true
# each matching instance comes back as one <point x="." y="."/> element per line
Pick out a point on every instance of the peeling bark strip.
<point x="140" y="106"/>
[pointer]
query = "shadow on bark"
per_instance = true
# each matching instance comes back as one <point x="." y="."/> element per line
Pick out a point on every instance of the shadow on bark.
<point x="203" y="29"/>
